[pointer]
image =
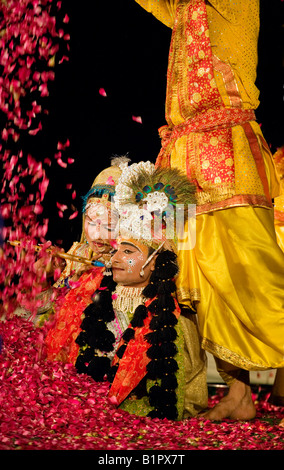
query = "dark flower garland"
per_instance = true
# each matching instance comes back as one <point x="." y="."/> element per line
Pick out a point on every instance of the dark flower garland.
<point x="95" y="335"/>
<point x="162" y="367"/>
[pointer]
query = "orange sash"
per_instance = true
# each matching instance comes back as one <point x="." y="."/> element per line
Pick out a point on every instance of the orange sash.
<point x="60" y="340"/>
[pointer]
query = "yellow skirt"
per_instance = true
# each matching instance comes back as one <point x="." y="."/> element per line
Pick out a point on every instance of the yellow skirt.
<point x="279" y="228"/>
<point x="235" y="275"/>
<point x="279" y="220"/>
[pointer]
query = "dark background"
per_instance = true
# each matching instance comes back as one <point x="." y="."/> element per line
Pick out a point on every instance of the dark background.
<point x="117" y="46"/>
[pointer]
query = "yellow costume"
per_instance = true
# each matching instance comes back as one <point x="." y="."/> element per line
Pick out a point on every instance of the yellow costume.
<point x="235" y="273"/>
<point x="279" y="201"/>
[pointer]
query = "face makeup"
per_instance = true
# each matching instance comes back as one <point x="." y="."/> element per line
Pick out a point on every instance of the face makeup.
<point x="127" y="263"/>
<point x="99" y="229"/>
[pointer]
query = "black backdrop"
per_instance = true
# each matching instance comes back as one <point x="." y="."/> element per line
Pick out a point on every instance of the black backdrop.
<point x="117" y="46"/>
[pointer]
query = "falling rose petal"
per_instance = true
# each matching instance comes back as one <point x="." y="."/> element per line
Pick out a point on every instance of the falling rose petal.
<point x="64" y="58"/>
<point x="30" y="61"/>
<point x="61" y="146"/>
<point x="43" y="185"/>
<point x="46" y="76"/>
<point x="5" y="134"/>
<point x="47" y="161"/>
<point x="6" y="211"/>
<point x="60" y="213"/>
<point x="114" y="244"/>
<point x="62" y="207"/>
<point x="70" y="160"/>
<point x="31" y="38"/>
<point x="110" y="180"/>
<point x="43" y="90"/>
<point x="35" y="131"/>
<point x="73" y="195"/>
<point x="36" y="76"/>
<point x="61" y="163"/>
<point x="137" y="119"/>
<point x="102" y="92"/>
<point x="38" y="209"/>
<point x="114" y="296"/>
<point x="69" y="186"/>
<point x="73" y="216"/>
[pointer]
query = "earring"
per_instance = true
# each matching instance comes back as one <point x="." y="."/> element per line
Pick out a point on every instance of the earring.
<point x="107" y="271"/>
<point x="150" y="259"/>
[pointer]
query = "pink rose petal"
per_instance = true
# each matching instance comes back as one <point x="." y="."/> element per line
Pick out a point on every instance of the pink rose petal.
<point x="74" y="215"/>
<point x="61" y="163"/>
<point x="137" y="119"/>
<point x="102" y="92"/>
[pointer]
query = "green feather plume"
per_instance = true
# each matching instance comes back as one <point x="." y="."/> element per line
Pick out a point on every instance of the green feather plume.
<point x="177" y="187"/>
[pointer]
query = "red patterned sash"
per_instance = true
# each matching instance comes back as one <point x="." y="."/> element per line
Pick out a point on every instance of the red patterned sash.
<point x="204" y="122"/>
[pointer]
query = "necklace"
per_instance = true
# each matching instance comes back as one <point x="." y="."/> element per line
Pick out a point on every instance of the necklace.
<point x="127" y="299"/>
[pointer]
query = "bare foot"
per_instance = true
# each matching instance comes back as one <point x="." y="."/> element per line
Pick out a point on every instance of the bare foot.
<point x="281" y="423"/>
<point x="236" y="405"/>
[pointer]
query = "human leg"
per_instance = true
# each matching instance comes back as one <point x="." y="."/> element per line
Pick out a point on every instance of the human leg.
<point x="237" y="404"/>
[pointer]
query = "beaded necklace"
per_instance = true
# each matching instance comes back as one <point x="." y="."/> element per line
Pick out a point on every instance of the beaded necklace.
<point x="127" y="299"/>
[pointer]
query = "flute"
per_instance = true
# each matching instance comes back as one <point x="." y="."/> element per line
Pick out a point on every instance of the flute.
<point x="63" y="255"/>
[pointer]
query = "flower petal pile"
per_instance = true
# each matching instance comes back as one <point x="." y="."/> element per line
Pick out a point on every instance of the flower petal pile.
<point x="49" y="406"/>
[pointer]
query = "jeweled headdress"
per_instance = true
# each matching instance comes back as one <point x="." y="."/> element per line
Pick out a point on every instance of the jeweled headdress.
<point x="103" y="187"/>
<point x="149" y="201"/>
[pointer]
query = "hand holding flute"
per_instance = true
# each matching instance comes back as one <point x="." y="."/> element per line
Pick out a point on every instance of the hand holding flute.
<point x="57" y="261"/>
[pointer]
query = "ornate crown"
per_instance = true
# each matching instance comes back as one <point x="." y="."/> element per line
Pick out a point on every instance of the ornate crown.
<point x="150" y="199"/>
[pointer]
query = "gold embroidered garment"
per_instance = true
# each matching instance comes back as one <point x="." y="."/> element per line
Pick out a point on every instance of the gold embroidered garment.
<point x="211" y="133"/>
<point x="235" y="273"/>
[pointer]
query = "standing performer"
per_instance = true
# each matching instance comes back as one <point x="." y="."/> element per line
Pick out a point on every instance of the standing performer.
<point x="235" y="274"/>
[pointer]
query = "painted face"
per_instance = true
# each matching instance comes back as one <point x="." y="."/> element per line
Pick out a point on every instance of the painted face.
<point x="99" y="227"/>
<point x="127" y="263"/>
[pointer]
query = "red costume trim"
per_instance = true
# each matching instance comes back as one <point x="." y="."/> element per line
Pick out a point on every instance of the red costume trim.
<point x="132" y="366"/>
